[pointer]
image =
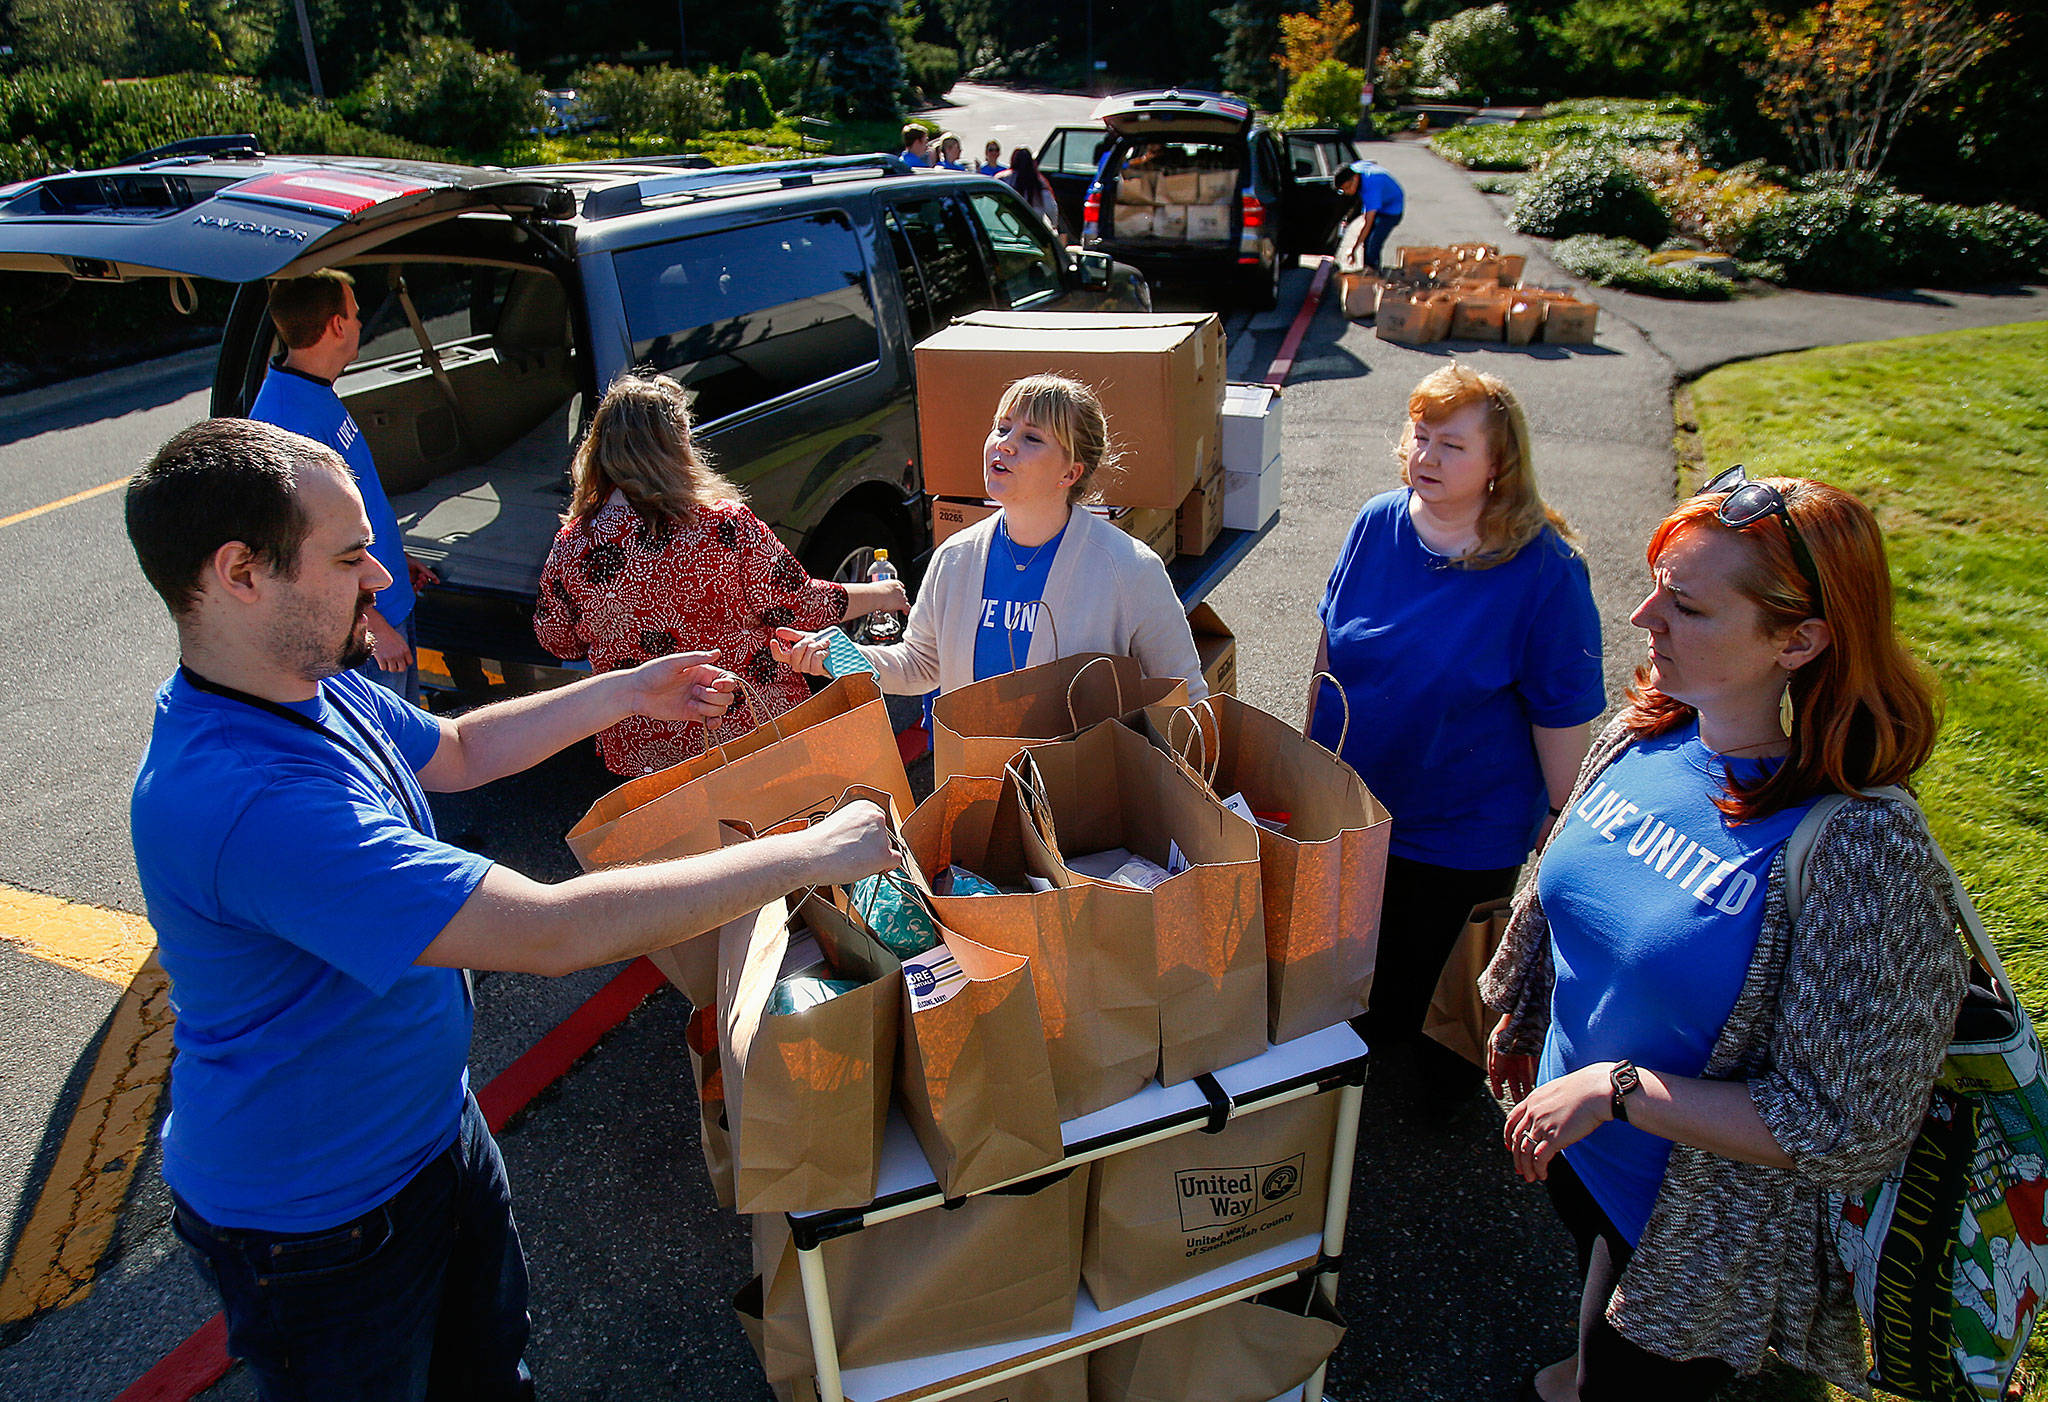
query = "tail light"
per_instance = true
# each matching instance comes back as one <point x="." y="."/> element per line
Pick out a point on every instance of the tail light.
<point x="1254" y="211"/>
<point x="1091" y="208"/>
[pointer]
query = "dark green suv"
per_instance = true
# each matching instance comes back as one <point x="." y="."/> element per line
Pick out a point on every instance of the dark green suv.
<point x="497" y="304"/>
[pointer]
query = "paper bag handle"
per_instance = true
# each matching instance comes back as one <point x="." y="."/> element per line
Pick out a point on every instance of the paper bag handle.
<point x="1345" y="732"/>
<point x="1074" y="721"/>
<point x="761" y="712"/>
<point x="1207" y="766"/>
<point x="1010" y="638"/>
<point x="1023" y="768"/>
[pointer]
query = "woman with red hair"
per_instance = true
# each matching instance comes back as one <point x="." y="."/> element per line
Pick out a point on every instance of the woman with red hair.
<point x="1698" y="1077"/>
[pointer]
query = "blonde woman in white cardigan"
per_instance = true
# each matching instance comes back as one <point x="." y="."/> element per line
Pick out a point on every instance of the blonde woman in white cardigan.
<point x="982" y="609"/>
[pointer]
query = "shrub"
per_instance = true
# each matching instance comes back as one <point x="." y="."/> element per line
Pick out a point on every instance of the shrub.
<point x="1326" y="96"/>
<point x="746" y="100"/>
<point x="682" y="105"/>
<point x="1522" y="145"/>
<point x="1588" y="191"/>
<point x="1624" y="263"/>
<point x="51" y="120"/>
<point x="783" y="77"/>
<point x="446" y="93"/>
<point x="1863" y="233"/>
<point x="1471" y="52"/>
<point x="930" y="69"/>
<point x="614" y="96"/>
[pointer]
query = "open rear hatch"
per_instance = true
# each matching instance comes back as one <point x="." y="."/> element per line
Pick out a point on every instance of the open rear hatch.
<point x="239" y="220"/>
<point x="1174" y="112"/>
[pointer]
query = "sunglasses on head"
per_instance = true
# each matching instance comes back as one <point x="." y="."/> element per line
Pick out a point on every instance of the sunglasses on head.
<point x="1749" y="502"/>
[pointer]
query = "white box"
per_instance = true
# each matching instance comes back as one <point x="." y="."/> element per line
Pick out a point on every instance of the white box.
<point x="1208" y="222"/>
<point x="1251" y="427"/>
<point x="1250" y="499"/>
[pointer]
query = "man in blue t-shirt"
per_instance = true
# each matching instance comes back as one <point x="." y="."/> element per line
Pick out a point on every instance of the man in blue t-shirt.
<point x="330" y="1171"/>
<point x="1380" y="203"/>
<point x="916" y="145"/>
<point x="316" y="318"/>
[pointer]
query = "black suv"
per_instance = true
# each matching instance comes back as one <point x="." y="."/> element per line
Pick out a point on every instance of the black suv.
<point x="497" y="304"/>
<point x="1239" y="200"/>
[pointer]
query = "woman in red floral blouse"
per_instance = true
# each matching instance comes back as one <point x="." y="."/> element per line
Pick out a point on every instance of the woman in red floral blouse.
<point x="659" y="554"/>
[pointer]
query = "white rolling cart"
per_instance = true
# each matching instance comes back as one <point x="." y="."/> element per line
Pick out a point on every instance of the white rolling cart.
<point x="1331" y="1061"/>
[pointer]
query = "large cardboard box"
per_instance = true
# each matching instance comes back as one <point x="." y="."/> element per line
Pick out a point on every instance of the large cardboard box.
<point x="1133" y="221"/>
<point x="1170" y="221"/>
<point x="1160" y="378"/>
<point x="1361" y="293"/>
<point x="1157" y="528"/>
<point x="1217" y="186"/>
<point x="1181" y="187"/>
<point x="1173" y="1210"/>
<point x="1250" y="499"/>
<point x="1480" y="316"/>
<point x="1415" y="319"/>
<point x="1200" y="516"/>
<point x="1567" y="320"/>
<point x="1251" y="426"/>
<point x="951" y="515"/>
<point x="1216" y="646"/>
<point x="1137" y="187"/>
<point x="1208" y="222"/>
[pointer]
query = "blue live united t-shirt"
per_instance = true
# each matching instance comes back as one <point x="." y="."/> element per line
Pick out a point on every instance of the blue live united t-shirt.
<point x="318" y="1066"/>
<point x="1012" y="595"/>
<point x="1655" y="901"/>
<point x="311" y="409"/>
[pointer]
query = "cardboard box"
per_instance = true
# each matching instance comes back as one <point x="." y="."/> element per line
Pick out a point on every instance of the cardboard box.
<point x="1511" y="265"/>
<point x="1170" y="221"/>
<point x="1415" y="318"/>
<point x="1180" y="187"/>
<point x="1251" y="427"/>
<point x="1208" y="222"/>
<point x="1361" y="289"/>
<point x="1421" y="261"/>
<point x="1160" y="378"/>
<point x="1176" y="1209"/>
<point x="1217" y="186"/>
<point x="1155" y="526"/>
<point x="1133" y="221"/>
<point x="1524" y="320"/>
<point x="1567" y="320"/>
<point x="1216" y="645"/>
<point x="1250" y="499"/>
<point x="952" y="515"/>
<point x="1200" y="517"/>
<point x="1479" y="316"/>
<point x="1137" y="187"/>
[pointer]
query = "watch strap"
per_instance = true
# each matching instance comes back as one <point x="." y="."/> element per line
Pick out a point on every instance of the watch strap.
<point x="1625" y="1081"/>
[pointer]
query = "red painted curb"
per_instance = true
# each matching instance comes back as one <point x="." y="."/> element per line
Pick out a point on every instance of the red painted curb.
<point x="198" y="1363"/>
<point x="1283" y="363"/>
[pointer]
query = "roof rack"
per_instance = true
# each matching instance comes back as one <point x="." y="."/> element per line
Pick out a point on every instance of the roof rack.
<point x="199" y="148"/>
<point x="608" y="202"/>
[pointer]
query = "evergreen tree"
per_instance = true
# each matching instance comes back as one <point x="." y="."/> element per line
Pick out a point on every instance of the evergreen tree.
<point x="852" y="52"/>
<point x="1251" y="38"/>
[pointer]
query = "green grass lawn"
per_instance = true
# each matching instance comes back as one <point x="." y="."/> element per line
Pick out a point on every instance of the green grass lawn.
<point x="780" y="142"/>
<point x="1946" y="438"/>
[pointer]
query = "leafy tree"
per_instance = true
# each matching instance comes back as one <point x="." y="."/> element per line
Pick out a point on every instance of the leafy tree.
<point x="852" y="53"/>
<point x="1327" y="95"/>
<point x="1251" y="38"/>
<point x="351" y="37"/>
<point x="1307" y="40"/>
<point x="1473" y="51"/>
<point x="93" y="34"/>
<point x="444" y="93"/>
<point x="1844" y="77"/>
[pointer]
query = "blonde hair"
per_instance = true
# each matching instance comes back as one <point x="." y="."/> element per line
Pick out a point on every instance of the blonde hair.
<point x="639" y="442"/>
<point x="1515" y="512"/>
<point x="1070" y="412"/>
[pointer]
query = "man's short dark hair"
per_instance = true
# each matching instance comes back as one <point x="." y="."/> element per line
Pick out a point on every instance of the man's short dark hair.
<point x="301" y="307"/>
<point x="913" y="133"/>
<point x="220" y="480"/>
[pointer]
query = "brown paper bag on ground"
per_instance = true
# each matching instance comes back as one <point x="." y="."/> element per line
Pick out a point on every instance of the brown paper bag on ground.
<point x="1320" y="877"/>
<point x="1089" y="946"/>
<point x="713" y="1136"/>
<point x="1173" y="1210"/>
<point x="1000" y="1267"/>
<point x="1247" y="1351"/>
<point x="977" y="728"/>
<point x="788" y="765"/>
<point x="1107" y="788"/>
<point x="1457" y="1018"/>
<point x="807" y="1094"/>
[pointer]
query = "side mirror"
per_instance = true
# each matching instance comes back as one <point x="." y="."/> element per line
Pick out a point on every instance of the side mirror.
<point x="1091" y="269"/>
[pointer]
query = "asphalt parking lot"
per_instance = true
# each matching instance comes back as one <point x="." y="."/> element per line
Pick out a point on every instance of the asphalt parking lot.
<point x="1456" y="1275"/>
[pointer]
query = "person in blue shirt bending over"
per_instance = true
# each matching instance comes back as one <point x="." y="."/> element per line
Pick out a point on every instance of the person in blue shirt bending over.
<point x="1380" y="204"/>
<point x="330" y="1172"/>
<point x="316" y="318"/>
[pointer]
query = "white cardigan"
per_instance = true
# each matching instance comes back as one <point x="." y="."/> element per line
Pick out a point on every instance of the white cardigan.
<point x="1106" y="593"/>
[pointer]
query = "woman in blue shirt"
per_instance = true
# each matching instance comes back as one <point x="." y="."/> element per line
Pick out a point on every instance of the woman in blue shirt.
<point x="1459" y="621"/>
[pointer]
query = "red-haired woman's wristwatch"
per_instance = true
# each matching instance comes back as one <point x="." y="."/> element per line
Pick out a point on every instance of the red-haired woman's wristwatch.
<point x="1625" y="1081"/>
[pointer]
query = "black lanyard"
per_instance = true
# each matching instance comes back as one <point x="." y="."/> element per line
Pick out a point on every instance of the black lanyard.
<point x="377" y="758"/>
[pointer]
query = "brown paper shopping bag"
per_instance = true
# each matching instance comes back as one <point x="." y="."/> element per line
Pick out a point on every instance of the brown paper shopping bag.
<point x="1247" y="1351"/>
<point x="1457" y="1018"/>
<point x="1321" y="873"/>
<point x="1108" y="788"/>
<point x="1002" y="1266"/>
<point x="807" y="1094"/>
<point x="977" y="727"/>
<point x="713" y="1135"/>
<point x="1171" y="1211"/>
<point x="787" y="765"/>
<point x="1089" y="946"/>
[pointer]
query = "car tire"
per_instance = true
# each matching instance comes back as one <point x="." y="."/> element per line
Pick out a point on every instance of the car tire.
<point x="844" y="545"/>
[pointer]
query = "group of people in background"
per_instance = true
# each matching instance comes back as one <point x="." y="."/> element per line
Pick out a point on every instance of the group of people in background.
<point x="944" y="152"/>
<point x="1693" y="1069"/>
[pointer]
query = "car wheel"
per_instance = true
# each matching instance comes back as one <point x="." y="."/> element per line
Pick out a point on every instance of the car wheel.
<point x="1262" y="286"/>
<point x="844" y="546"/>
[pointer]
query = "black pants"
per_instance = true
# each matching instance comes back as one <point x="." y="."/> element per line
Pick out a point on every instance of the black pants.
<point x="1611" y="1369"/>
<point x="1421" y="918"/>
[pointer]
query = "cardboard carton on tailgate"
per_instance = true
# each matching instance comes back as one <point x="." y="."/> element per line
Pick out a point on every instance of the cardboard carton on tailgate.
<point x="1160" y="378"/>
<point x="1216" y="646"/>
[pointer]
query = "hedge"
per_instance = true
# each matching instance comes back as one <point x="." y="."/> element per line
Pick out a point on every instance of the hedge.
<point x="1866" y="234"/>
<point x="1624" y="263"/>
<point x="1588" y="191"/>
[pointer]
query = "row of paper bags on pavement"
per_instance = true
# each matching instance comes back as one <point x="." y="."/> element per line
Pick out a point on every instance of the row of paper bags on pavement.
<point x="1055" y="996"/>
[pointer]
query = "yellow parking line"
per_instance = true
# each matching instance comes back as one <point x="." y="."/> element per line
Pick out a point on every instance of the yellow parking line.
<point x="79" y="1206"/>
<point x="86" y="495"/>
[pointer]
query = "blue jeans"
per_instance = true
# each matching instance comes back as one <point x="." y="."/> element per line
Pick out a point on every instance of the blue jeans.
<point x="421" y="1297"/>
<point x="1376" y="240"/>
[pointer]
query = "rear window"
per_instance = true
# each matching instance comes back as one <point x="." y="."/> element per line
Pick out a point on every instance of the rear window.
<point x="745" y="316"/>
<point x="454" y="301"/>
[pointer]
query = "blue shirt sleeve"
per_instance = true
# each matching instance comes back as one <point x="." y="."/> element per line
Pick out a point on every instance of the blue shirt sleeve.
<point x="1561" y="681"/>
<point x="362" y="890"/>
<point x="414" y="733"/>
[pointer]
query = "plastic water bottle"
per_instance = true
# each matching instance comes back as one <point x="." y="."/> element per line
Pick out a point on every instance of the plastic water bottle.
<point x="883" y="626"/>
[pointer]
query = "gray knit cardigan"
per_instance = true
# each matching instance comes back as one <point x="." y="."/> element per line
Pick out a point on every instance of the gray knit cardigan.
<point x="1839" y="1030"/>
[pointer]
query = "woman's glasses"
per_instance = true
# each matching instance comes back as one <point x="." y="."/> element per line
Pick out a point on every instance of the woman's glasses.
<point x="1750" y="502"/>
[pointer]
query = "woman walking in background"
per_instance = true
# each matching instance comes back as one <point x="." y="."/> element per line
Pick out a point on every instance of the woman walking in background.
<point x="658" y="553"/>
<point x="1460" y="622"/>
<point x="1026" y="179"/>
<point x="1700" y="1072"/>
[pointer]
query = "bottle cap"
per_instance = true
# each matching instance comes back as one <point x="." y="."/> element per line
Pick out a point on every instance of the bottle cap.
<point x="881" y="554"/>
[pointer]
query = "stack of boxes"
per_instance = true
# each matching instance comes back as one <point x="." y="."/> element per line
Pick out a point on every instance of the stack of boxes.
<point x="1174" y="205"/>
<point x="1465" y="292"/>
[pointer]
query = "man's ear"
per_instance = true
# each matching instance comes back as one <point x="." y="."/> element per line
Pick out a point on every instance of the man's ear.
<point x="1805" y="643"/>
<point x="235" y="570"/>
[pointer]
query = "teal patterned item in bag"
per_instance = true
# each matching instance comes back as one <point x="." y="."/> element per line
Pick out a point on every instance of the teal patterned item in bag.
<point x="802" y="992"/>
<point x="893" y="910"/>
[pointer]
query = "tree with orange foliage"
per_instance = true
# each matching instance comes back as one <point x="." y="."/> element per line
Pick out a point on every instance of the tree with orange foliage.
<point x="1307" y="40"/>
<point x="1845" y="76"/>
